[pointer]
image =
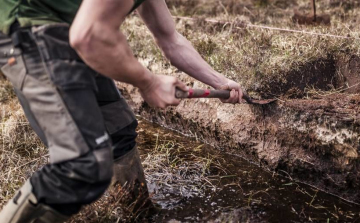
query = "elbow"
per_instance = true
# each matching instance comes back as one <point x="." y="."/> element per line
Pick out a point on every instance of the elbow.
<point x="76" y="42"/>
<point x="170" y="44"/>
<point x="80" y="41"/>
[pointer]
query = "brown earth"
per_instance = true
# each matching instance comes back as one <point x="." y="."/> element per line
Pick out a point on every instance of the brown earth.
<point x="315" y="140"/>
<point x="319" y="74"/>
<point x="337" y="75"/>
<point x="308" y="19"/>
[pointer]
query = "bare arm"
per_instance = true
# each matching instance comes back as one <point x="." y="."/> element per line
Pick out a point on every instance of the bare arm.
<point x="95" y="35"/>
<point x="179" y="50"/>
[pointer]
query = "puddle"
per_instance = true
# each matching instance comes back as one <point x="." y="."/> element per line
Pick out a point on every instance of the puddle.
<point x="194" y="182"/>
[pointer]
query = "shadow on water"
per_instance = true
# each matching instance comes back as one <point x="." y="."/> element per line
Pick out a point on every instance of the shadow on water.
<point x="194" y="182"/>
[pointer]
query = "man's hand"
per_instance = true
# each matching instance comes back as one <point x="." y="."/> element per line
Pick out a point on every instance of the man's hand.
<point x="236" y="93"/>
<point x="160" y="92"/>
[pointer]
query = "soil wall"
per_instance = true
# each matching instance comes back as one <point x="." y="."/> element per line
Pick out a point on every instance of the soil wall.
<point x="314" y="141"/>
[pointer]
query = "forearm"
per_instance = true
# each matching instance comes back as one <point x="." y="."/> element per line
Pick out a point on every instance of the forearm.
<point x="182" y="55"/>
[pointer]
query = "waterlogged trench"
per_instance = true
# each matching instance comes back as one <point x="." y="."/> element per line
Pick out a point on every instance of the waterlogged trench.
<point x="194" y="182"/>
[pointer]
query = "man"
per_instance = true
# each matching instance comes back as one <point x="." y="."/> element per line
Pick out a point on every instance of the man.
<point x="78" y="113"/>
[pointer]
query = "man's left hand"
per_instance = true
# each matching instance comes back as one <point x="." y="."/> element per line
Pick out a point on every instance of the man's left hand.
<point x="236" y="93"/>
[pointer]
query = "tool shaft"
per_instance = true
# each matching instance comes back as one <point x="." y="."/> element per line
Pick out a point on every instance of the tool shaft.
<point x="222" y="94"/>
<point x="202" y="93"/>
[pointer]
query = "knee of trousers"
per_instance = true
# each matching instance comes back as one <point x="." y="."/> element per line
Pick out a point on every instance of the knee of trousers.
<point x="93" y="167"/>
<point x="81" y="180"/>
<point x="96" y="170"/>
<point x="124" y="139"/>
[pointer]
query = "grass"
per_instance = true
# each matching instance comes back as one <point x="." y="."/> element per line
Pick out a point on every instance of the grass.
<point x="6" y="92"/>
<point x="256" y="58"/>
<point x="21" y="152"/>
<point x="170" y="168"/>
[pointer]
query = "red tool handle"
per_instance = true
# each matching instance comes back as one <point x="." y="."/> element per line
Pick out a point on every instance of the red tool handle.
<point x="200" y="93"/>
<point x="222" y="94"/>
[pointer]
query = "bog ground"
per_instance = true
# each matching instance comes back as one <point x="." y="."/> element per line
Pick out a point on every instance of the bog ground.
<point x="310" y="136"/>
<point x="312" y="132"/>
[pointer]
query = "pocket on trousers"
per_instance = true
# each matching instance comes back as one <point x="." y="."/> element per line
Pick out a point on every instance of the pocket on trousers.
<point x="65" y="67"/>
<point x="15" y="72"/>
<point x="117" y="115"/>
<point x="71" y="74"/>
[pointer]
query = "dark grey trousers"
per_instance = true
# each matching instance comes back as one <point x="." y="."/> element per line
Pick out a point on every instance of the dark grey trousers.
<point x="79" y="115"/>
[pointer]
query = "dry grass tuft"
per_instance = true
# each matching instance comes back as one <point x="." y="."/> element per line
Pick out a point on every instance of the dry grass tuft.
<point x="109" y="208"/>
<point x="21" y="152"/>
<point x="170" y="170"/>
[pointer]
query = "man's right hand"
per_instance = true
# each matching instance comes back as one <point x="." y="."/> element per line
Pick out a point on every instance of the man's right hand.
<point x="160" y="92"/>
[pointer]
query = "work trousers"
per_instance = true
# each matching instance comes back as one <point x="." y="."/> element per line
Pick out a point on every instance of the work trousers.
<point x="78" y="113"/>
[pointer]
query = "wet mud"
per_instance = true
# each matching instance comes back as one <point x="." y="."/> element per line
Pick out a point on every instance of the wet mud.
<point x="313" y="140"/>
<point x="228" y="188"/>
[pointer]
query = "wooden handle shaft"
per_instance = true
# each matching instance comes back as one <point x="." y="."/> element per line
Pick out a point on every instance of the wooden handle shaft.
<point x="222" y="94"/>
<point x="200" y="93"/>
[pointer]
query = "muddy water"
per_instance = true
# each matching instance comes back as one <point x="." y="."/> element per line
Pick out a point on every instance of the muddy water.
<point x="219" y="187"/>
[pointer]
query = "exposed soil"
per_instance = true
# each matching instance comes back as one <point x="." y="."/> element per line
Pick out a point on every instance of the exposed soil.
<point x="320" y="75"/>
<point x="312" y="140"/>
